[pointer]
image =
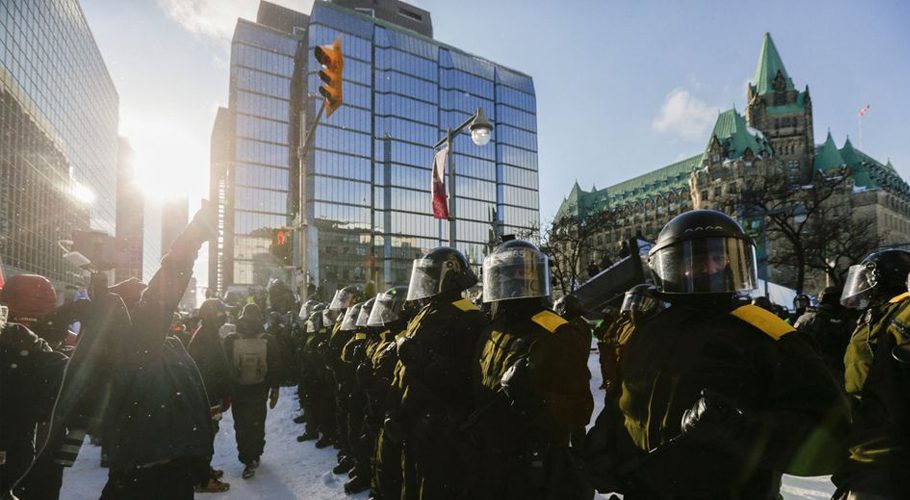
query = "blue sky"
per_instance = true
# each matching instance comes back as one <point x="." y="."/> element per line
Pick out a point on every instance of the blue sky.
<point x="622" y="87"/>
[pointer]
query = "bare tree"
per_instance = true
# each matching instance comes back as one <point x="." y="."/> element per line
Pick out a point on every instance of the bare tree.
<point x="569" y="240"/>
<point x="804" y="224"/>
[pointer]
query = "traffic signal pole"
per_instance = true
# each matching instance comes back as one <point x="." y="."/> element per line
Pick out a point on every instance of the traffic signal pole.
<point x="302" y="198"/>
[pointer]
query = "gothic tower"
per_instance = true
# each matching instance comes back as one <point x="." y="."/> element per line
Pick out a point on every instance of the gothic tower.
<point x="782" y="113"/>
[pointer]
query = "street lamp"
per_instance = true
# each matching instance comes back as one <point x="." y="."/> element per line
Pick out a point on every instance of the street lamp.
<point x="481" y="132"/>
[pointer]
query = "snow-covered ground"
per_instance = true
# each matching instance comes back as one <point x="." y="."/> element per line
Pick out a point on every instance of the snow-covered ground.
<point x="292" y="470"/>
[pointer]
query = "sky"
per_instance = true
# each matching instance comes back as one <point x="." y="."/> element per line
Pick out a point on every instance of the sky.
<point x="622" y="87"/>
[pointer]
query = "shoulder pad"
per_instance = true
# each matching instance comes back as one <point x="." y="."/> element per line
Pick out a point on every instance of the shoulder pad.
<point x="764" y="320"/>
<point x="360" y="336"/>
<point x="550" y="321"/>
<point x="900" y="298"/>
<point x="900" y="325"/>
<point x="465" y="305"/>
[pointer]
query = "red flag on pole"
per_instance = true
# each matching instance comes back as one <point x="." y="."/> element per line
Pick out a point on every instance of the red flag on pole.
<point x="864" y="110"/>
<point x="438" y="187"/>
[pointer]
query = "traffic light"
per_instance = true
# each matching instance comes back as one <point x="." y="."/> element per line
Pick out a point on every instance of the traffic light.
<point x="282" y="246"/>
<point x="332" y="61"/>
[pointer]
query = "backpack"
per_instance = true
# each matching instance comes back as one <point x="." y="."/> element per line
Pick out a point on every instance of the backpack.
<point x="250" y="360"/>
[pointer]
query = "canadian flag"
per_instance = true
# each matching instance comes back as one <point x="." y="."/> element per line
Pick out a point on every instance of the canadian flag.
<point x="438" y="187"/>
<point x="864" y="110"/>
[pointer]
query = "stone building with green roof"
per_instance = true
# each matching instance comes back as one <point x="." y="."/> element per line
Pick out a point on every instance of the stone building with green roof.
<point x="775" y="132"/>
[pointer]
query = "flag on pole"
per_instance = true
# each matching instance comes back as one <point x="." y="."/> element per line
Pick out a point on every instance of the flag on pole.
<point x="438" y="186"/>
<point x="863" y="111"/>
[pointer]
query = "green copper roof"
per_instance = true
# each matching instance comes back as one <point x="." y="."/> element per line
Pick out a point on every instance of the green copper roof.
<point x="848" y="153"/>
<point x="769" y="64"/>
<point x="828" y="156"/>
<point x="733" y="133"/>
<point x="673" y="177"/>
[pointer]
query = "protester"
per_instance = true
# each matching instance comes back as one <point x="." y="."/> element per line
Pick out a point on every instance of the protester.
<point x="30" y="375"/>
<point x="254" y="358"/>
<point x="208" y="353"/>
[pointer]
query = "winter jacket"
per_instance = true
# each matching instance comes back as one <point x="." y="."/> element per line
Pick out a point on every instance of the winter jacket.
<point x="161" y="410"/>
<point x="793" y="413"/>
<point x="208" y="353"/>
<point x="30" y="373"/>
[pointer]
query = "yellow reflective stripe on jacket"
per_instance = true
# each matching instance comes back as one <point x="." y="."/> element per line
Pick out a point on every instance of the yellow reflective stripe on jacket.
<point x="548" y="320"/>
<point x="465" y="305"/>
<point x="764" y="320"/>
<point x="900" y="298"/>
<point x="360" y="336"/>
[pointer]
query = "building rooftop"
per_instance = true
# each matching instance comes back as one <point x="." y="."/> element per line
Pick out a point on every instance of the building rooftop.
<point x="769" y="65"/>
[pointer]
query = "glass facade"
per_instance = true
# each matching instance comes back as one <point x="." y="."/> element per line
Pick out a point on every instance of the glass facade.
<point x="367" y="177"/>
<point x="58" y="124"/>
<point x="262" y="69"/>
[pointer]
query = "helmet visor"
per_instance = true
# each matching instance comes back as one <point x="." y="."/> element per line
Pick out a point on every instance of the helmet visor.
<point x="385" y="310"/>
<point x="350" y="318"/>
<point x="637" y="301"/>
<point x="364" y="315"/>
<point x="515" y="273"/>
<point x="858" y="291"/>
<point x="706" y="265"/>
<point x="426" y="276"/>
<point x="343" y="299"/>
<point x="306" y="309"/>
<point x="329" y="317"/>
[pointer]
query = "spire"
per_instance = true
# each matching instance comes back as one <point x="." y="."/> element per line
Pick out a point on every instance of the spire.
<point x="828" y="156"/>
<point x="769" y="65"/>
<point x="848" y="153"/>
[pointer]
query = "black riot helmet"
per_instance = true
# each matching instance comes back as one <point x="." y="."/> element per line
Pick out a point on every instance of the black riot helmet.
<point x="345" y="298"/>
<point x="388" y="307"/>
<point x="515" y="270"/>
<point x="877" y="278"/>
<point x="703" y="252"/>
<point x="443" y="269"/>
<point x="349" y="322"/>
<point x="364" y="313"/>
<point x="639" y="299"/>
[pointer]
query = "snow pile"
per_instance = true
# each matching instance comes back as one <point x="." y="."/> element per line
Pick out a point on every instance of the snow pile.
<point x="292" y="470"/>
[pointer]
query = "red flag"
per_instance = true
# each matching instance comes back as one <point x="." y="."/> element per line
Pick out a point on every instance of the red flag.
<point x="864" y="110"/>
<point x="438" y="187"/>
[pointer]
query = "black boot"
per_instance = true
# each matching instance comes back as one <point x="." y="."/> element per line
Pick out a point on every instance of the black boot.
<point x="344" y="465"/>
<point x="324" y="442"/>
<point x="307" y="436"/>
<point x="356" y="485"/>
<point x="299" y="419"/>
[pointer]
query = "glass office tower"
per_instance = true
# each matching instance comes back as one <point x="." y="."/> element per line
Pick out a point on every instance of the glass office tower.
<point x="366" y="178"/>
<point x="58" y="135"/>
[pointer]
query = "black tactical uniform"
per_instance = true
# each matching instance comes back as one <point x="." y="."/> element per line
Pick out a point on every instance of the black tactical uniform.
<point x="532" y="384"/>
<point x="310" y="388"/>
<point x="353" y="355"/>
<point x="343" y="375"/>
<point x="724" y="398"/>
<point x="390" y="315"/>
<point x="877" y="379"/>
<point x="828" y="329"/>
<point x="433" y="376"/>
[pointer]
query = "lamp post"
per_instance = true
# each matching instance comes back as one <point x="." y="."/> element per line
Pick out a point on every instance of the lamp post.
<point x="481" y="131"/>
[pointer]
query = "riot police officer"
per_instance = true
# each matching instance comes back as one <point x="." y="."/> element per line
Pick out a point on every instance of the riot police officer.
<point x="311" y="376"/>
<point x="433" y="376"/>
<point x="638" y="305"/>
<point x="877" y="378"/>
<point x="352" y="355"/>
<point x="532" y="383"/>
<point x="344" y="380"/>
<point x="717" y="401"/>
<point x="390" y="315"/>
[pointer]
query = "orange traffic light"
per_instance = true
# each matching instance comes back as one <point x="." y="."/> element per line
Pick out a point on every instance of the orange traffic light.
<point x="332" y="61"/>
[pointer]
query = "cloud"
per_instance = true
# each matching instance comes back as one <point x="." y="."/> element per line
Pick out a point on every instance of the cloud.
<point x="685" y="116"/>
<point x="217" y="18"/>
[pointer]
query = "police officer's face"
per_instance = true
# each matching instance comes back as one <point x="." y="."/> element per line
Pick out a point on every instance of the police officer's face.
<point x="708" y="264"/>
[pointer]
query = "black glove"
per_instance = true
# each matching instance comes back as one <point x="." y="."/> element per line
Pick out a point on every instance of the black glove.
<point x="516" y="383"/>
<point x="714" y="419"/>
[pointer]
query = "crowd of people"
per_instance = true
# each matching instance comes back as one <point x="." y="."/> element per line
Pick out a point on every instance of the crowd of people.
<point x="428" y="394"/>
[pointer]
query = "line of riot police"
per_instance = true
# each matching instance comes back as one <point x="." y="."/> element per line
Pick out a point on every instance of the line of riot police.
<point x="427" y="396"/>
